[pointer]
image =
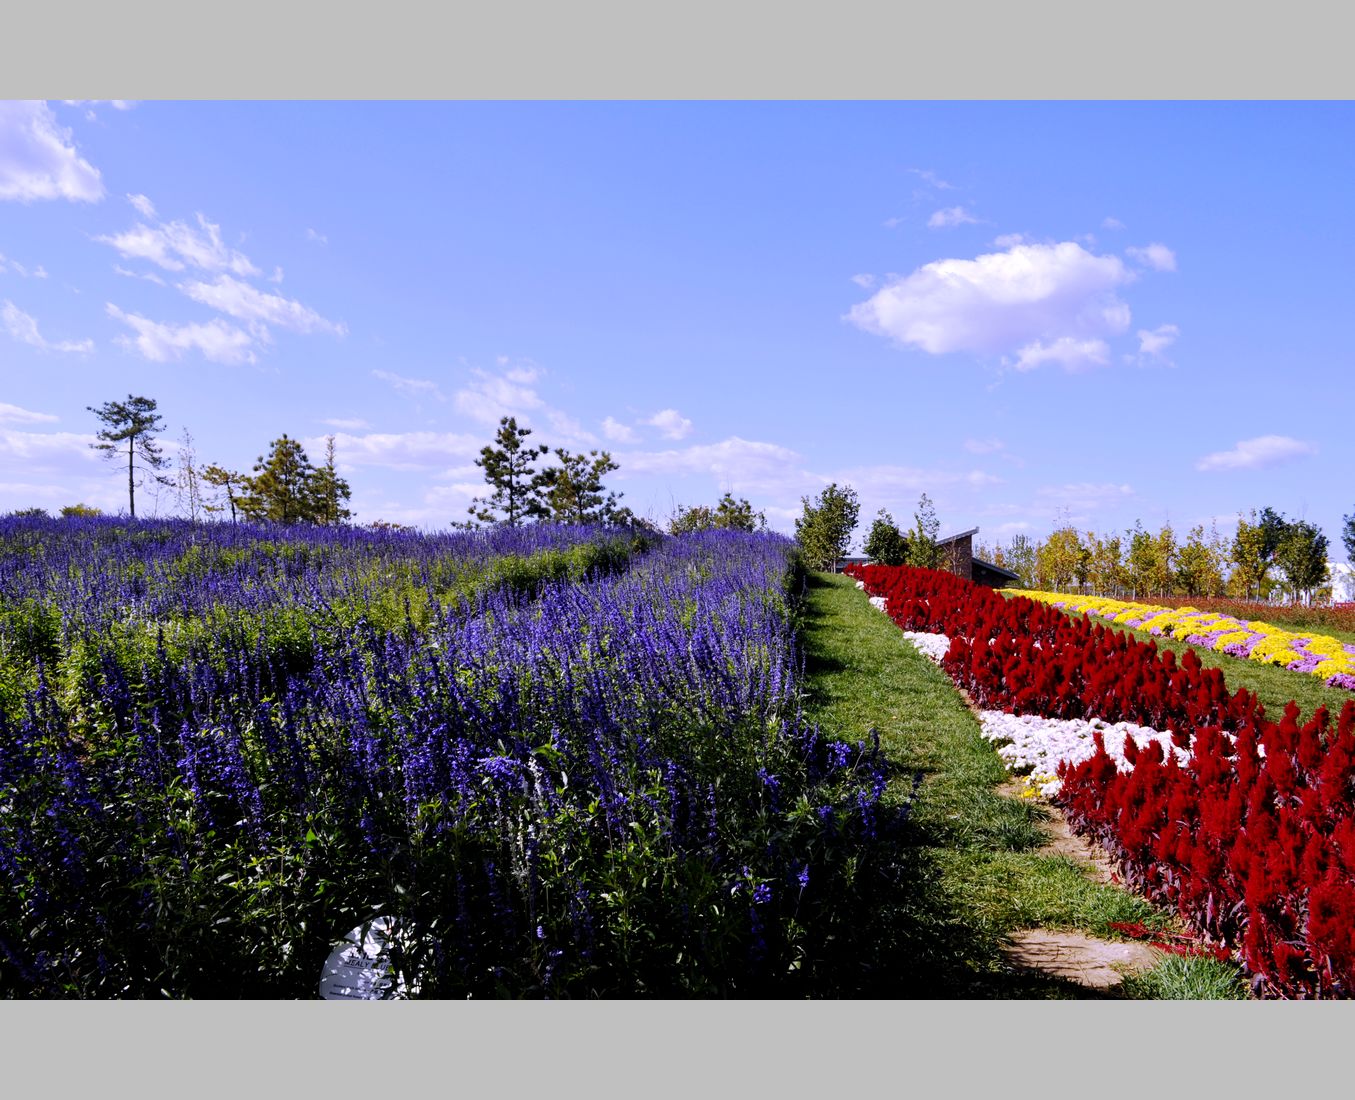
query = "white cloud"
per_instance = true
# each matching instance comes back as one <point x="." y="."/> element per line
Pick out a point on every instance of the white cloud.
<point x="1006" y="240"/>
<point x="116" y="104"/>
<point x="44" y="451"/>
<point x="671" y="423"/>
<point x="865" y="282"/>
<point x="617" y="432"/>
<point x="160" y="342"/>
<point x="932" y="178"/>
<point x="142" y="205"/>
<point x="892" y="223"/>
<point x="347" y="424"/>
<point x="318" y="238"/>
<point x="19" y="269"/>
<point x="735" y="463"/>
<point x="983" y="446"/>
<point x="525" y="374"/>
<point x="1081" y="497"/>
<point x="409" y="387"/>
<point x="38" y="158"/>
<point x="1112" y="223"/>
<point x="951" y="215"/>
<point x="567" y="429"/>
<point x="1042" y="302"/>
<point x="1157" y="256"/>
<point x="24" y="328"/>
<point x="1153" y="342"/>
<point x="276" y="277"/>
<point x="246" y="303"/>
<point x="888" y="480"/>
<point x="149" y="276"/>
<point x="490" y="397"/>
<point x="177" y="245"/>
<point x="1254" y="454"/>
<point x="12" y="414"/>
<point x="404" y="450"/>
<point x="1014" y="527"/>
<point x="1068" y="352"/>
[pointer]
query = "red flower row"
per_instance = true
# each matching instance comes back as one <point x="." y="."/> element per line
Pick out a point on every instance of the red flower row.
<point x="1252" y="840"/>
<point x="1026" y="657"/>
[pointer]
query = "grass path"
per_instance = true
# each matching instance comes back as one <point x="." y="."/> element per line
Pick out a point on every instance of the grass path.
<point x="967" y="871"/>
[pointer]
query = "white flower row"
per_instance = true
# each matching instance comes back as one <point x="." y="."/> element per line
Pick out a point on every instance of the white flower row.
<point x="933" y="646"/>
<point x="1027" y="741"/>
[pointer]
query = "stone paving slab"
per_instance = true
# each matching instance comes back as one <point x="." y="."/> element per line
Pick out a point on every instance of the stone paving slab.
<point x="1096" y="964"/>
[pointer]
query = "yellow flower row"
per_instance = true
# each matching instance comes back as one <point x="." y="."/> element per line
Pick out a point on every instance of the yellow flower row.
<point x="1328" y="658"/>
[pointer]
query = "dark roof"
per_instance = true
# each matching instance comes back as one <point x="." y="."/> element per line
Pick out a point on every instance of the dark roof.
<point x="997" y="569"/>
<point x="957" y="538"/>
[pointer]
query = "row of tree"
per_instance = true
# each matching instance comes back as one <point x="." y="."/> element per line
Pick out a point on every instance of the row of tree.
<point x="728" y="514"/>
<point x="824" y="532"/>
<point x="284" y="486"/>
<point x="1269" y="555"/>
<point x="571" y="491"/>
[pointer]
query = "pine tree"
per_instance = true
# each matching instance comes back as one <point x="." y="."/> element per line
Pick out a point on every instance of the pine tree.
<point x="574" y="492"/>
<point x="136" y="423"/>
<point x="328" y="490"/>
<point x="279" y="490"/>
<point x="516" y="485"/>
<point x="228" y="481"/>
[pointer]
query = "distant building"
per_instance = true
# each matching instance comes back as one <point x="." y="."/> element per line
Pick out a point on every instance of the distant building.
<point x="1342" y="582"/>
<point x="958" y="558"/>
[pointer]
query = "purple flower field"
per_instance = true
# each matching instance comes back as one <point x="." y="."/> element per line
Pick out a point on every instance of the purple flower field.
<point x="566" y="761"/>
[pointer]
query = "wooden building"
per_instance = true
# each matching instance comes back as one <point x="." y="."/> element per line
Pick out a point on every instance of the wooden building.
<point x="958" y="558"/>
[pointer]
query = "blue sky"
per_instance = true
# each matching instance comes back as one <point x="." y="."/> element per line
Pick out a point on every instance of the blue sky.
<point x="1033" y="312"/>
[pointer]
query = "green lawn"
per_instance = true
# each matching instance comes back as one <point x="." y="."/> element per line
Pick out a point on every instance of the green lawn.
<point x="965" y="873"/>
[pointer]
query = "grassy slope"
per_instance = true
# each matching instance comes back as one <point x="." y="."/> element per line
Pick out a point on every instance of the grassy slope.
<point x="970" y="872"/>
<point x="1273" y="685"/>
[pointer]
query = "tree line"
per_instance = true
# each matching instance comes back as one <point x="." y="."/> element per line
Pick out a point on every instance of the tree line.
<point x="571" y="490"/>
<point x="824" y="532"/>
<point x="284" y="486"/>
<point x="1268" y="556"/>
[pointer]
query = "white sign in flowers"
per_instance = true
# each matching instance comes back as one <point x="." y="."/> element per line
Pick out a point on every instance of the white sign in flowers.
<point x="360" y="968"/>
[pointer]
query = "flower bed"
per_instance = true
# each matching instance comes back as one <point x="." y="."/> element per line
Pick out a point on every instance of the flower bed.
<point x="1245" y="825"/>
<point x="563" y="779"/>
<point x="1329" y="659"/>
<point x="1296" y="617"/>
